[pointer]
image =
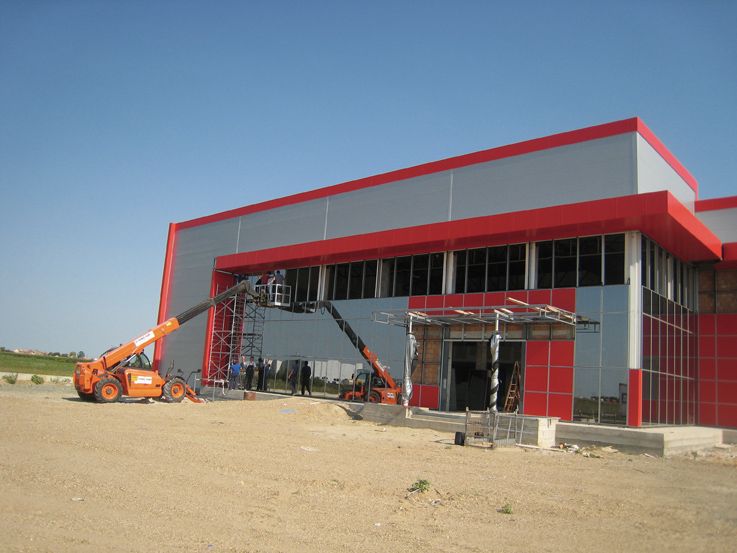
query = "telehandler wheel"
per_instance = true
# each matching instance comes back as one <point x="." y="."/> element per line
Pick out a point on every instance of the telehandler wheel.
<point x="85" y="397"/>
<point x="174" y="390"/>
<point x="108" y="390"/>
<point x="374" y="397"/>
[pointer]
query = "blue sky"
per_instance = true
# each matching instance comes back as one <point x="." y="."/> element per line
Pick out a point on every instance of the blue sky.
<point x="117" y="118"/>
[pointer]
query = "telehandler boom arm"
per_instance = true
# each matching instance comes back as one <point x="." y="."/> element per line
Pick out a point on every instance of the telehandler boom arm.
<point x="114" y="357"/>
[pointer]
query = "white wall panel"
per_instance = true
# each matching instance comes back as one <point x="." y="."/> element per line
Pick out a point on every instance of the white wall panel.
<point x="654" y="174"/>
<point x="404" y="203"/>
<point x="722" y="222"/>
<point x="587" y="171"/>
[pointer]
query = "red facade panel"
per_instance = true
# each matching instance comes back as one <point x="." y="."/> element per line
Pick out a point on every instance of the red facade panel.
<point x="562" y="353"/>
<point x="536" y="379"/>
<point x="564" y="298"/>
<point x="494" y="298"/>
<point x="726" y="346"/>
<point x="707" y="346"/>
<point x="417" y="302"/>
<point x="727" y="324"/>
<point x="717" y="369"/>
<point x="560" y="405"/>
<point x="539" y="297"/>
<point x="727" y="392"/>
<point x="707" y="368"/>
<point x="707" y="391"/>
<point x="708" y="414"/>
<point x="727" y="414"/>
<point x="726" y="369"/>
<point x="536" y="403"/>
<point x="425" y="396"/>
<point x="561" y="380"/>
<point x="634" y="398"/>
<point x="537" y="353"/>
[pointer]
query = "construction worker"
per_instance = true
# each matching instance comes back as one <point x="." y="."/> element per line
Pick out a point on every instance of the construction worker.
<point x="235" y="375"/>
<point x="305" y="381"/>
<point x="250" y="367"/>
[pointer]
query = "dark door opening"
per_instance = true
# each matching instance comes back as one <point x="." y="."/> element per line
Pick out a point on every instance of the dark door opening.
<point x="471" y="370"/>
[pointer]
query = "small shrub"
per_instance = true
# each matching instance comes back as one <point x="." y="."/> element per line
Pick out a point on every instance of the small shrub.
<point x="10" y="378"/>
<point x="37" y="379"/>
<point x="506" y="509"/>
<point x="421" y="486"/>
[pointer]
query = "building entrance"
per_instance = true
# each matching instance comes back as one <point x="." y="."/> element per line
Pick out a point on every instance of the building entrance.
<point x="470" y="371"/>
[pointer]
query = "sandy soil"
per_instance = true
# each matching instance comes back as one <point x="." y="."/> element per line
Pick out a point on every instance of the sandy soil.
<point x="297" y="475"/>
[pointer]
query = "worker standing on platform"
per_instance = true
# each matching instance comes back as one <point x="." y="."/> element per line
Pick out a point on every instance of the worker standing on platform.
<point x="235" y="375"/>
<point x="305" y="375"/>
<point x="250" y="367"/>
<point x="259" y="374"/>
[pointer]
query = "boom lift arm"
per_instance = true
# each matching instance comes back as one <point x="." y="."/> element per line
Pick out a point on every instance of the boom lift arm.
<point x="373" y="360"/>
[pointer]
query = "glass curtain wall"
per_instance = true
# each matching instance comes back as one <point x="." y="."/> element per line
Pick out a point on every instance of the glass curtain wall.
<point x="668" y="338"/>
<point x="584" y="261"/>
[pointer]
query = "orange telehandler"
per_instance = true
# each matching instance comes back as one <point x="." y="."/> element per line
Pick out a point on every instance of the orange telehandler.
<point x="376" y="385"/>
<point x="125" y="370"/>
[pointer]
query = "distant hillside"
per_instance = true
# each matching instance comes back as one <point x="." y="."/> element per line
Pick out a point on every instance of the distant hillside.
<point x="36" y="364"/>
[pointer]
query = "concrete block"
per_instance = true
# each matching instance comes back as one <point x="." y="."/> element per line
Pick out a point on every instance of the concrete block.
<point x="729" y="436"/>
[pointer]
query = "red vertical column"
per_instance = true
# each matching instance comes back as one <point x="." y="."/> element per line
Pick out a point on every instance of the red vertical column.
<point x="634" y="398"/>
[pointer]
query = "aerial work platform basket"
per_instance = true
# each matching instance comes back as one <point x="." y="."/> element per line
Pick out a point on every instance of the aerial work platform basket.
<point x="491" y="429"/>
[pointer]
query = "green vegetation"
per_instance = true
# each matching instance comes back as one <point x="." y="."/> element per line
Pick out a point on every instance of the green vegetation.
<point x="10" y="378"/>
<point x="506" y="509"/>
<point x="36" y="364"/>
<point x="420" y="486"/>
<point x="37" y="379"/>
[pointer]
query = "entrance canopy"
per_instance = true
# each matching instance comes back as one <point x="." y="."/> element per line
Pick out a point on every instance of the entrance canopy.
<point x="515" y="312"/>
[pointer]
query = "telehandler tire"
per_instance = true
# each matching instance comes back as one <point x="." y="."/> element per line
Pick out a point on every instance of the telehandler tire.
<point x="374" y="397"/>
<point x="174" y="390"/>
<point x="108" y="390"/>
<point x="85" y="397"/>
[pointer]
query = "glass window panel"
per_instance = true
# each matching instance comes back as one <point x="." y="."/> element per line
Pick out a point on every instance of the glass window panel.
<point x="517" y="266"/>
<point x="386" y="288"/>
<point x="563" y="332"/>
<point x="402" y="276"/>
<point x="437" y="261"/>
<point x="589" y="261"/>
<point x="565" y="263"/>
<point x="303" y="283"/>
<point x="614" y="259"/>
<point x="341" y="281"/>
<point x="643" y="261"/>
<point x="514" y="332"/>
<point x="661" y="271"/>
<point x="497" y="272"/>
<point x="369" y="279"/>
<point x="460" y="270"/>
<point x="651" y="266"/>
<point x="545" y="265"/>
<point x="290" y="279"/>
<point x="355" y="288"/>
<point x="329" y="281"/>
<point x="314" y="280"/>
<point x="676" y="280"/>
<point x="538" y="332"/>
<point x="476" y="270"/>
<point x="420" y="274"/>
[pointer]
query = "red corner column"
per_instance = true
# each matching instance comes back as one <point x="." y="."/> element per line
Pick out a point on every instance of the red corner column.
<point x="634" y="398"/>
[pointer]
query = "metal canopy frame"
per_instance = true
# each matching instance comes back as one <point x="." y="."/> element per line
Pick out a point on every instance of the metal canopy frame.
<point x="516" y="312"/>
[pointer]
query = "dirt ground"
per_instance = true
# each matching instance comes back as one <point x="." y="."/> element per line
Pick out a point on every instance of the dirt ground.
<point x="299" y="475"/>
